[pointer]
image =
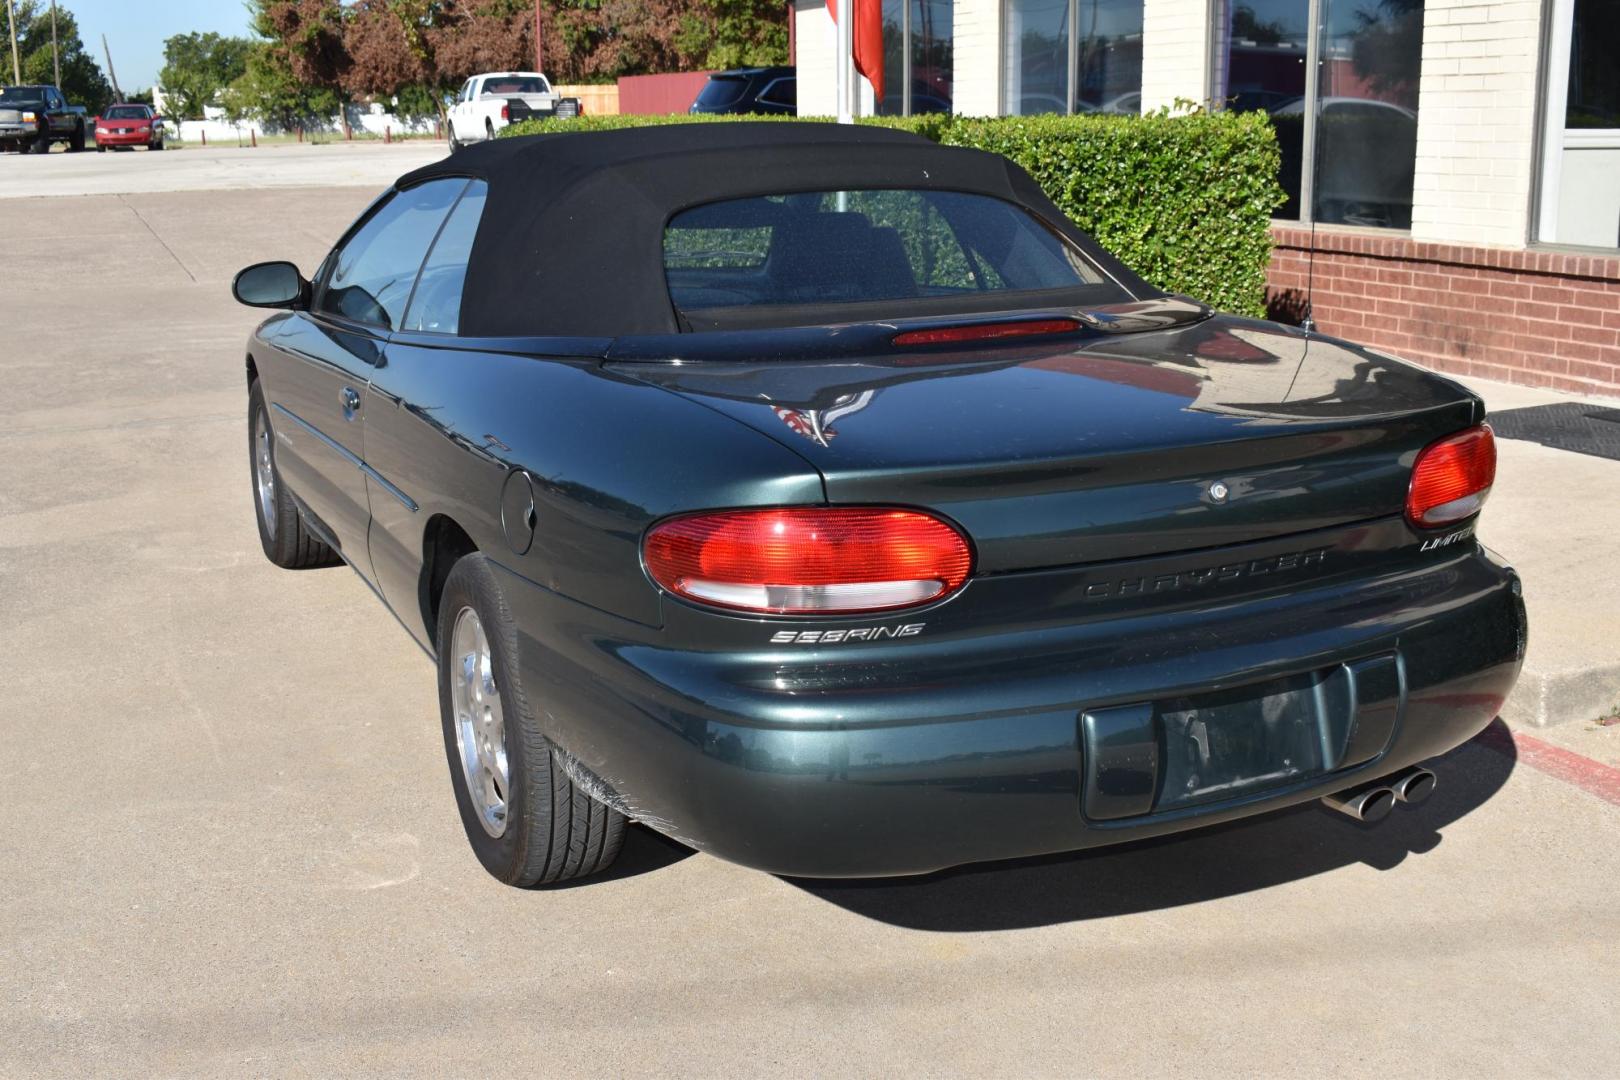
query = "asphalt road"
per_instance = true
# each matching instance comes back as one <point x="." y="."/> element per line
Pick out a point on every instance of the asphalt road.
<point x="230" y="847"/>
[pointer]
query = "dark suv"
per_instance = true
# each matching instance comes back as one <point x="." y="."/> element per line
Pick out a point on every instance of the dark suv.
<point x="33" y="117"/>
<point x="757" y="90"/>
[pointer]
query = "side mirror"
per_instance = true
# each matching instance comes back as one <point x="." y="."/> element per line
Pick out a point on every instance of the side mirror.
<point x="271" y="285"/>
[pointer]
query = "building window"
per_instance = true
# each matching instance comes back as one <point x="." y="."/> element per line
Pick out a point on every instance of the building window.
<point x="1071" y="56"/>
<point x="1349" y="141"/>
<point x="917" y="62"/>
<point x="1580" y="178"/>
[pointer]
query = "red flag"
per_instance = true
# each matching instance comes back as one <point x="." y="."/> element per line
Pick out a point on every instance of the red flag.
<point x="868" y="40"/>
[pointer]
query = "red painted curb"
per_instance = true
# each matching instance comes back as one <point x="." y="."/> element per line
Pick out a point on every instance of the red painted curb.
<point x="1590" y="776"/>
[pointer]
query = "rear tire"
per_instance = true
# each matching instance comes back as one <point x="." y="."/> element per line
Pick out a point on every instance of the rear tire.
<point x="76" y="140"/>
<point x="286" y="540"/>
<point x="528" y="822"/>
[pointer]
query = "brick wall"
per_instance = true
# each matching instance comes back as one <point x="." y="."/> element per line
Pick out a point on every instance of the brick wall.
<point x="1541" y="318"/>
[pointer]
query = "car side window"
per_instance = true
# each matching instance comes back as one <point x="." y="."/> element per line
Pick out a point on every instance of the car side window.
<point x="436" y="306"/>
<point x="783" y="92"/>
<point x="373" y="271"/>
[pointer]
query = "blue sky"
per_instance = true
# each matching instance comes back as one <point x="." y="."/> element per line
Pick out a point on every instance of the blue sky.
<point x="136" y="30"/>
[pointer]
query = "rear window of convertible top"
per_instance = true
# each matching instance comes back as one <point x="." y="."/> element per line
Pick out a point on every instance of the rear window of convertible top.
<point x="741" y="261"/>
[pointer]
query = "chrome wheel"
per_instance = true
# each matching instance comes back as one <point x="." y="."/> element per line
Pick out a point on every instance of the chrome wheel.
<point x="264" y="471"/>
<point x="480" y="726"/>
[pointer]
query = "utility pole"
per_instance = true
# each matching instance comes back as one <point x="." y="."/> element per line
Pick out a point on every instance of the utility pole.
<point x="540" y="42"/>
<point x="56" y="56"/>
<point x="11" y="19"/>
<point x="112" y="76"/>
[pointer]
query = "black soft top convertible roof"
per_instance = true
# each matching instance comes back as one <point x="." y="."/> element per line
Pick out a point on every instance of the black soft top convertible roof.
<point x="571" y="239"/>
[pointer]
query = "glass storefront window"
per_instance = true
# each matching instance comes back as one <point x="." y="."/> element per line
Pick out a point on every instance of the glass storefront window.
<point x="1067" y="56"/>
<point x="1267" y="44"/>
<point x="1367" y="97"/>
<point x="1361" y="129"/>
<point x="1594" y="66"/>
<point x="1580" y="157"/>
<point x="917" y="32"/>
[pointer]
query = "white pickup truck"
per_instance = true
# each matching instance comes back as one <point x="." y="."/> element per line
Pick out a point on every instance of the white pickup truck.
<point x="489" y="102"/>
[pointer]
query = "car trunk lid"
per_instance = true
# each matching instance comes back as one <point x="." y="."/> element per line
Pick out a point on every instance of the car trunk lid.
<point x="1152" y="429"/>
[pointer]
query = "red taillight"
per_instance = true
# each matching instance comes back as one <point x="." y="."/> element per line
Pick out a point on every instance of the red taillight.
<point x="950" y="335"/>
<point x="506" y="112"/>
<point x="1451" y="478"/>
<point x="808" y="560"/>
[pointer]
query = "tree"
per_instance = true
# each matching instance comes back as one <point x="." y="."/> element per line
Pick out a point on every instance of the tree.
<point x="494" y="35"/>
<point x="1389" y="48"/>
<point x="415" y="52"/>
<point x="308" y="34"/>
<point x="734" y="33"/>
<point x="82" y="80"/>
<point x="268" y="92"/>
<point x="197" y="67"/>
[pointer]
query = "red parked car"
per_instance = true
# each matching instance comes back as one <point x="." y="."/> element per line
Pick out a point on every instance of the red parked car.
<point x="129" y="125"/>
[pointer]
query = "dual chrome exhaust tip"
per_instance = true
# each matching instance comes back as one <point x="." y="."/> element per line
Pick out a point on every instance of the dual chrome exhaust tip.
<point x="1373" y="802"/>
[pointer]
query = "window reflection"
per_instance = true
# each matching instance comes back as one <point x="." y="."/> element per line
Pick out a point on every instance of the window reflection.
<point x="1365" y="127"/>
<point x="920" y="30"/>
<point x="1101" y="38"/>
<point x="1367" y="111"/>
<point x="1265" y="64"/>
<point x="1594" y="66"/>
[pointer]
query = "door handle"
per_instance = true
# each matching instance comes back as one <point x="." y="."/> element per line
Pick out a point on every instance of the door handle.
<point x="350" y="397"/>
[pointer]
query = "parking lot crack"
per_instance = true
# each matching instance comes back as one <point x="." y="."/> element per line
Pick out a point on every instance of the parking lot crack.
<point x="159" y="239"/>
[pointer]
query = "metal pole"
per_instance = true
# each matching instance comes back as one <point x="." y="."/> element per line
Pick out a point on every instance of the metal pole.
<point x="846" y="62"/>
<point x="1073" y="59"/>
<point x="56" y="55"/>
<point x="1313" y="62"/>
<point x="905" y="59"/>
<point x="16" y="65"/>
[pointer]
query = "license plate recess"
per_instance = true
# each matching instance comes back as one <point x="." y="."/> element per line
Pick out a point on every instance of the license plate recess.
<point x="1196" y="749"/>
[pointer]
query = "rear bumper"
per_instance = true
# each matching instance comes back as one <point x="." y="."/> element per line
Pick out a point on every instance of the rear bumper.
<point x="914" y="755"/>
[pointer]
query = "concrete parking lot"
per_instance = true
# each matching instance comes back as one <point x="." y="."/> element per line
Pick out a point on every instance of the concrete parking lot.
<point x="230" y="846"/>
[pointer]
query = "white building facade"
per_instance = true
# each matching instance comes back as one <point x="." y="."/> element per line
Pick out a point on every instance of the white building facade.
<point x="1485" y="124"/>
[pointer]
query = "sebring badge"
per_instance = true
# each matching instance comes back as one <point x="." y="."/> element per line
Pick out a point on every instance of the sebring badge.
<point x="831" y="637"/>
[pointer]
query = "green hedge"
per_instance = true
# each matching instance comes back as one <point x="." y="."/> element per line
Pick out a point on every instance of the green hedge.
<point x="1185" y="201"/>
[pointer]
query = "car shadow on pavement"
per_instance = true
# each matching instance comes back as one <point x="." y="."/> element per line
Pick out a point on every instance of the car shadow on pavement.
<point x="1187" y="868"/>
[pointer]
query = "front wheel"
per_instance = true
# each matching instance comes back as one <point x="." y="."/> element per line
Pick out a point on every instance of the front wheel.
<point x="286" y="540"/>
<point x="42" y="141"/>
<point x="527" y="821"/>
